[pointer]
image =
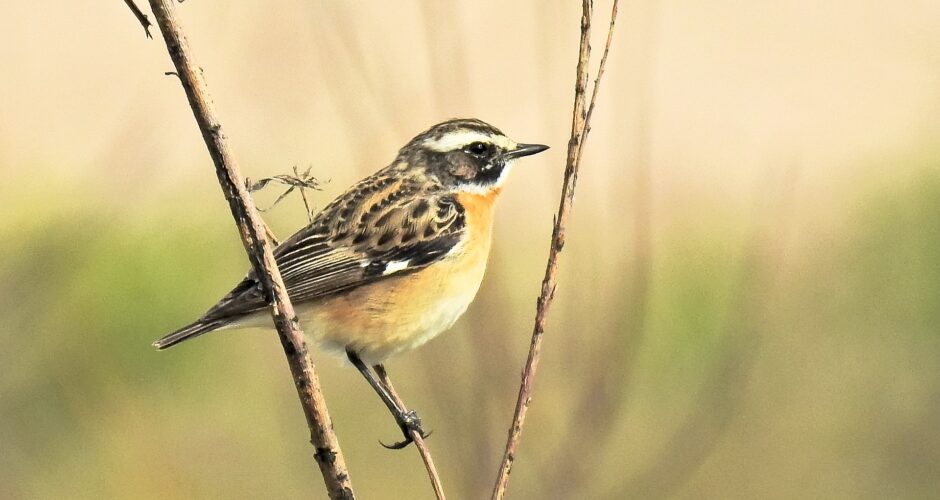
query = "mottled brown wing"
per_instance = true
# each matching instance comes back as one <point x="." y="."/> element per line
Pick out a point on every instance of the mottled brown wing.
<point x="352" y="244"/>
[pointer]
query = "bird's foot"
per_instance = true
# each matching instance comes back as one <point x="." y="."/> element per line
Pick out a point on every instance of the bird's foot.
<point x="409" y="422"/>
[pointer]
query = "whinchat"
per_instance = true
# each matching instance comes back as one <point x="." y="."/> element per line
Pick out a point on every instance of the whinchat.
<point x="392" y="262"/>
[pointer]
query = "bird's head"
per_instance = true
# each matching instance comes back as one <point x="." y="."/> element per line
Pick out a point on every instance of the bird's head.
<point x="465" y="154"/>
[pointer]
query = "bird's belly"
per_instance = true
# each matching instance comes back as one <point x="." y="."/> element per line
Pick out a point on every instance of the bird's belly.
<point x="399" y="313"/>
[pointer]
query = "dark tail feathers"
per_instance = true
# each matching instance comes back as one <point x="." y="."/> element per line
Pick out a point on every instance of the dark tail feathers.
<point x="187" y="332"/>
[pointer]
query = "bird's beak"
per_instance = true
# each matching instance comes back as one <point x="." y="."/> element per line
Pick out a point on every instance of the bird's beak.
<point x="524" y="150"/>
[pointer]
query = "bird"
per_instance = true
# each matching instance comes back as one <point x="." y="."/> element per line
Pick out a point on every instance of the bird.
<point x="393" y="261"/>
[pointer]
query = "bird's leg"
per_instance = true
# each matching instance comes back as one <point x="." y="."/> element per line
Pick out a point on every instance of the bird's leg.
<point x="407" y="420"/>
<point x="413" y="423"/>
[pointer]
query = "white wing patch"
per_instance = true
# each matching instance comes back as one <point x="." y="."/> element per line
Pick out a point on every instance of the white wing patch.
<point x="395" y="266"/>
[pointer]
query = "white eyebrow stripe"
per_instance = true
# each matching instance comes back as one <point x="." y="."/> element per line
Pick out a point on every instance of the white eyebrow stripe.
<point x="461" y="138"/>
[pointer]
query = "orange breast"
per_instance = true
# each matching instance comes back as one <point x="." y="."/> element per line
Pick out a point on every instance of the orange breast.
<point x="400" y="313"/>
<point x="478" y="210"/>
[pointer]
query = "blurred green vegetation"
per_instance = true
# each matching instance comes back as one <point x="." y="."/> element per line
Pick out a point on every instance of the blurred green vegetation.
<point x="833" y="376"/>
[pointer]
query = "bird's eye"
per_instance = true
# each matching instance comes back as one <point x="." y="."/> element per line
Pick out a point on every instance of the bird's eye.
<point x="478" y="148"/>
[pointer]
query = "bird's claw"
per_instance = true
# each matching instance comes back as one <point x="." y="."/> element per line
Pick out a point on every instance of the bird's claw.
<point x="409" y="422"/>
<point x="397" y="446"/>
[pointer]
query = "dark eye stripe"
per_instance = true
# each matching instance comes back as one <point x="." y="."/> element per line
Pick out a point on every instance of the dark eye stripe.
<point x="477" y="148"/>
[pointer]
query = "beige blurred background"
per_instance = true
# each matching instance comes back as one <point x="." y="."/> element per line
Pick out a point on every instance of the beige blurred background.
<point x="749" y="302"/>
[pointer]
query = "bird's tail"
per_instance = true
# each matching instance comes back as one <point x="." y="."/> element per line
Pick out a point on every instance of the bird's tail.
<point x="190" y="331"/>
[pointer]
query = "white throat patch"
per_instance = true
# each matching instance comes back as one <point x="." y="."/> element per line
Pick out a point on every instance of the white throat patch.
<point x="487" y="189"/>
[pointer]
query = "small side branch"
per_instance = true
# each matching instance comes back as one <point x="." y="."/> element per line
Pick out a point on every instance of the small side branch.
<point x="415" y="436"/>
<point x="580" y="126"/>
<point x="328" y="455"/>
<point x="141" y="17"/>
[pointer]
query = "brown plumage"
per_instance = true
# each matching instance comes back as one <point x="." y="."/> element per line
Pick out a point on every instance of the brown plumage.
<point x="395" y="259"/>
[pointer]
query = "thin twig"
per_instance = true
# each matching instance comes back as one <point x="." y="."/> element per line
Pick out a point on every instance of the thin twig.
<point x="269" y="234"/>
<point x="328" y="455"/>
<point x="272" y="238"/>
<point x="301" y="181"/>
<point x="597" y="81"/>
<point x="141" y="17"/>
<point x="303" y="191"/>
<point x="415" y="436"/>
<point x="580" y="125"/>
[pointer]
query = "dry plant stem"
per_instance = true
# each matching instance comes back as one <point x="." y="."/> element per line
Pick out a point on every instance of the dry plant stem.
<point x="580" y="125"/>
<point x="415" y="436"/>
<point x="328" y="455"/>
